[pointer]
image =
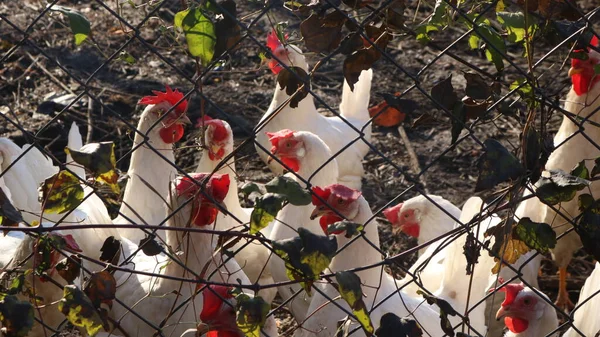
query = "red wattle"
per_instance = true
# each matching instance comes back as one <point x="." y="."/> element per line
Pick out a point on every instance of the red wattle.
<point x="171" y="134"/>
<point x="412" y="230"/>
<point x="275" y="66"/>
<point x="216" y="156"/>
<point x="515" y="324"/>
<point x="291" y="163"/>
<point x="205" y="215"/>
<point x="327" y="220"/>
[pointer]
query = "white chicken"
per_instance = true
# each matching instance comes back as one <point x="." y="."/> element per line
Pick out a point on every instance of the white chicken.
<point x="253" y="257"/>
<point x="334" y="131"/>
<point x="152" y="162"/>
<point x="306" y="153"/>
<point x="572" y="145"/>
<point x="155" y="297"/>
<point x="381" y="291"/>
<point x="18" y="246"/>
<point x="525" y="313"/>
<point x="585" y="317"/>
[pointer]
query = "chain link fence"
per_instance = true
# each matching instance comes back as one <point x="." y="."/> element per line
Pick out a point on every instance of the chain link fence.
<point x="167" y="223"/>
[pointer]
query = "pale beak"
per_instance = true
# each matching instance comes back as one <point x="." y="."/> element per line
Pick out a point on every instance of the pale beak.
<point x="575" y="71"/>
<point x="214" y="148"/>
<point x="503" y="311"/>
<point x="270" y="158"/>
<point x="318" y="212"/>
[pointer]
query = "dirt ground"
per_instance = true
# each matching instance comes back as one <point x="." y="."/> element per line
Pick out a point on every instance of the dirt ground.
<point x="41" y="76"/>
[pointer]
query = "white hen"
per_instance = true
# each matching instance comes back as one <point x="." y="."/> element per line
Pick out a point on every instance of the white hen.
<point x="586" y="314"/>
<point x="573" y="143"/>
<point x="254" y="256"/>
<point x="154" y="297"/>
<point x="305" y="153"/>
<point x="381" y="294"/>
<point x="334" y="131"/>
<point x="152" y="162"/>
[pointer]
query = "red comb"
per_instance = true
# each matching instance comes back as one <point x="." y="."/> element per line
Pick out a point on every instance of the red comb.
<point x="323" y="193"/>
<point x="511" y="291"/>
<point x="392" y="213"/>
<point x="212" y="302"/>
<point x="218" y="185"/>
<point x="171" y="96"/>
<point x="344" y="192"/>
<point x="275" y="137"/>
<point x="220" y="131"/>
<point x="595" y="42"/>
<point x="273" y="41"/>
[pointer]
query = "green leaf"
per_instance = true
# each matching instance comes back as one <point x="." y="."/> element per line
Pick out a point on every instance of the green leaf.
<point x="100" y="159"/>
<point x="306" y="255"/>
<point x="525" y="91"/>
<point x="251" y="314"/>
<point x="126" y="57"/>
<point x="515" y="26"/>
<point x="423" y="32"/>
<point x="597" y="69"/>
<point x="536" y="235"/>
<point x="351" y="229"/>
<point x="445" y="310"/>
<point x="250" y="187"/>
<point x="349" y="287"/>
<point x="492" y="37"/>
<point x="556" y="186"/>
<point x="265" y="209"/>
<point x="199" y="33"/>
<point x="474" y="41"/>
<point x="294" y="193"/>
<point x="581" y="171"/>
<point x="79" y="310"/>
<point x="497" y="165"/>
<point x="391" y="325"/>
<point x="80" y="25"/>
<point x="16" y="316"/>
<point x="61" y="193"/>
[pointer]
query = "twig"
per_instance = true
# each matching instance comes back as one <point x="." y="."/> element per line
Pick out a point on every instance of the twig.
<point x="90" y="122"/>
<point x="414" y="160"/>
<point x="61" y="84"/>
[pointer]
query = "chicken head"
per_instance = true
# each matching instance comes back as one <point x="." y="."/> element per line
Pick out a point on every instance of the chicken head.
<point x="582" y="72"/>
<point x="338" y="199"/>
<point x="287" y="147"/>
<point x="404" y="219"/>
<point x="171" y="130"/>
<point x="217" y="136"/>
<point x="290" y="54"/>
<point x="520" y="308"/>
<point x="206" y="196"/>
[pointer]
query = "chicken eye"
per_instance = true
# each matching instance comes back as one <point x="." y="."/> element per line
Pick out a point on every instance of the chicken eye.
<point x="340" y="201"/>
<point x="527" y="301"/>
<point x="406" y="215"/>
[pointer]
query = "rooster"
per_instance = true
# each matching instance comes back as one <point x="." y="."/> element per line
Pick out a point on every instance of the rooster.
<point x="572" y="146"/>
<point x="525" y="313"/>
<point x="152" y="162"/>
<point x="334" y="131"/>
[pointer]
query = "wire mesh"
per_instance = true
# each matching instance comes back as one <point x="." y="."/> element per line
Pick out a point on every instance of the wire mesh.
<point x="467" y="98"/>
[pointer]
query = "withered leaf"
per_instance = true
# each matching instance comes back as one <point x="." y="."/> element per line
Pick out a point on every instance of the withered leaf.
<point x="291" y="81"/>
